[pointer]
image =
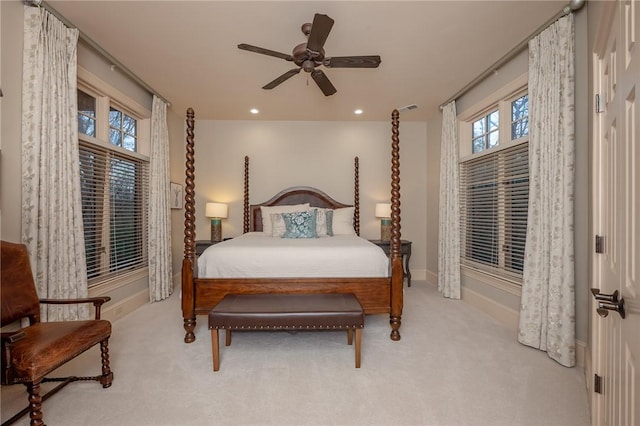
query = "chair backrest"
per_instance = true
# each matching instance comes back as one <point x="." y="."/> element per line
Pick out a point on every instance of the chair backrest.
<point x="18" y="290"/>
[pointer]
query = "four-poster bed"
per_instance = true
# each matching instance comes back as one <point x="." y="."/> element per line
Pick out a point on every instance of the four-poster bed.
<point x="377" y="294"/>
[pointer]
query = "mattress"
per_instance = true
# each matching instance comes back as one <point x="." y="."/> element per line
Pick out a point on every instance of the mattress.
<point x="257" y="255"/>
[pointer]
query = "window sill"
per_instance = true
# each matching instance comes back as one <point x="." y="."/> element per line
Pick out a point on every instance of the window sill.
<point x="117" y="282"/>
<point x="492" y="280"/>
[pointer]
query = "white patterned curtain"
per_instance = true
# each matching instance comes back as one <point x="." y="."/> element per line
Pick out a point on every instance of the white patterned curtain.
<point x="160" y="280"/>
<point x="547" y="315"/>
<point x="449" y="226"/>
<point x="51" y="200"/>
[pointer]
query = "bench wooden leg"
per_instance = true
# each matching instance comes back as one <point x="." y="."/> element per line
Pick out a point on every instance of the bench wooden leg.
<point x="227" y="340"/>
<point x="358" y="342"/>
<point x="350" y="336"/>
<point x="215" y="349"/>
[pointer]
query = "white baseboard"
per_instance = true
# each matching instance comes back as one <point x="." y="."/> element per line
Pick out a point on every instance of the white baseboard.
<point x="431" y="277"/>
<point x="418" y="274"/>
<point x="506" y="316"/>
<point x="125" y="306"/>
<point x="510" y="318"/>
<point x="177" y="281"/>
<point x="582" y="352"/>
<point x="588" y="370"/>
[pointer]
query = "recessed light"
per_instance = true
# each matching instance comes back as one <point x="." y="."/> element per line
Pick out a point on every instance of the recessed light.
<point x="358" y="112"/>
<point x="254" y="111"/>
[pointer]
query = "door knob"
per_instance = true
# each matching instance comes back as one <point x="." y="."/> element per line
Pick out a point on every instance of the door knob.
<point x="608" y="302"/>
<point x="612" y="298"/>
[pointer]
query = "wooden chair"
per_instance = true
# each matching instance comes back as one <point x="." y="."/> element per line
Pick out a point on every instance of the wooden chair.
<point x="32" y="352"/>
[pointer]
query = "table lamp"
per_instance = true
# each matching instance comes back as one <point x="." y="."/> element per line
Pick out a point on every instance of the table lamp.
<point x="383" y="211"/>
<point x="217" y="212"/>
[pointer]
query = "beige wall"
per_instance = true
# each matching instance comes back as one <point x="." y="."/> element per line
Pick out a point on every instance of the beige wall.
<point x="10" y="126"/>
<point x="434" y="134"/>
<point x="319" y="154"/>
<point x="175" y="122"/>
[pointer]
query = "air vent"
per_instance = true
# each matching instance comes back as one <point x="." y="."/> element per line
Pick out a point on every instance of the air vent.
<point x="408" y="108"/>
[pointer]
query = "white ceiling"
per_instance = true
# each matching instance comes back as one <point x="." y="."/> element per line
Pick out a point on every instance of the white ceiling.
<point x="187" y="51"/>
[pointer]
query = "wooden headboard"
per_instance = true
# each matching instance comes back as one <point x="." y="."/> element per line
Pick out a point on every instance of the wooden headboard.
<point x="290" y="196"/>
<point x="299" y="195"/>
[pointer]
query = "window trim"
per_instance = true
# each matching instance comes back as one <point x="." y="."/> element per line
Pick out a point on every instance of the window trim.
<point x="509" y="91"/>
<point x="93" y="85"/>
<point x="107" y="96"/>
<point x="500" y="99"/>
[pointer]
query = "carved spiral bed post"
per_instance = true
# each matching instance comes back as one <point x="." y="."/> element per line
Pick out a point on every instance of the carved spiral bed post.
<point x="356" y="196"/>
<point x="397" y="275"/>
<point x="188" y="302"/>
<point x="246" y="217"/>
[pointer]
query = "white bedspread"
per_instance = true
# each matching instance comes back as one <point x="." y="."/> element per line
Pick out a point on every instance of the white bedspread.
<point x="256" y="255"/>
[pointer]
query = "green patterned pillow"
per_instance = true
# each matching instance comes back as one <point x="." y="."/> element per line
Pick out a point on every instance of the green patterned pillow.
<point x="300" y="224"/>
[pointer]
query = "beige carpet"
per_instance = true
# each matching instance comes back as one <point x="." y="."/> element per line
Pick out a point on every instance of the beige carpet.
<point x="453" y="366"/>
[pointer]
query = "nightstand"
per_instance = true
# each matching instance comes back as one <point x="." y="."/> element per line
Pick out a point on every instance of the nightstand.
<point x="202" y="245"/>
<point x="405" y="252"/>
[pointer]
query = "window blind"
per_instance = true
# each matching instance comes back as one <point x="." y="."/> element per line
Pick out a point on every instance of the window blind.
<point x="114" y="211"/>
<point x="494" y="198"/>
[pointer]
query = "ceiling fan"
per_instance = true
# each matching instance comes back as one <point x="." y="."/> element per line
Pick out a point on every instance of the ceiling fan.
<point x="310" y="55"/>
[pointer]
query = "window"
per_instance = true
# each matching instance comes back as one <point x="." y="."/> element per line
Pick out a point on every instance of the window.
<point x="495" y="189"/>
<point x="122" y="130"/>
<point x="486" y="132"/>
<point x="114" y="184"/>
<point x="86" y="114"/>
<point x="520" y="117"/>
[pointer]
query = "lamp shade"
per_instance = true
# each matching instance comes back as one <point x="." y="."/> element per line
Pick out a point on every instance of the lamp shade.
<point x="383" y="210"/>
<point x="218" y="210"/>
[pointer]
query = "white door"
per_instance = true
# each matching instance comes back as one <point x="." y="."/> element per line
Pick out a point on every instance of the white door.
<point x="616" y="212"/>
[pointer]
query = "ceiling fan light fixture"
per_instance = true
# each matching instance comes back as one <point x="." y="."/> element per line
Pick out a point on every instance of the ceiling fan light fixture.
<point x="308" y="65"/>
<point x="358" y="111"/>
<point x="254" y="110"/>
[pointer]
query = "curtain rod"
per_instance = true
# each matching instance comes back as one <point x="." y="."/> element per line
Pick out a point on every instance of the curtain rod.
<point x="573" y="6"/>
<point x="97" y="48"/>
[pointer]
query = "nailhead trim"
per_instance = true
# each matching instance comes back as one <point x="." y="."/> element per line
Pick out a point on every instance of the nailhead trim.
<point x="298" y="327"/>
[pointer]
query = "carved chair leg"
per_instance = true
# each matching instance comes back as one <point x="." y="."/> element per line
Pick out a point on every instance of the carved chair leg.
<point x="107" y="375"/>
<point x="35" y="404"/>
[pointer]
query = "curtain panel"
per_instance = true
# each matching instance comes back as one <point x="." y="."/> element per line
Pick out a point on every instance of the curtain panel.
<point x="547" y="315"/>
<point x="449" y="221"/>
<point x="51" y="196"/>
<point x="159" y="245"/>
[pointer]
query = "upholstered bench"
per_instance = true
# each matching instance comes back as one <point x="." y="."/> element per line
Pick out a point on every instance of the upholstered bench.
<point x="286" y="312"/>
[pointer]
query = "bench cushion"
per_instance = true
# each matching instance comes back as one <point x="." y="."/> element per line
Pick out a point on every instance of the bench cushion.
<point x="287" y="311"/>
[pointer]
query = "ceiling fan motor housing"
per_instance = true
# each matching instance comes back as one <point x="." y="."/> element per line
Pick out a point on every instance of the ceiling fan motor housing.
<point x="302" y="55"/>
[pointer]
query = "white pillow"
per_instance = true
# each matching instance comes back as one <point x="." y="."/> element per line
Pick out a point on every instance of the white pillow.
<point x="278" y="225"/>
<point x="267" y="211"/>
<point x="343" y="221"/>
<point x="321" y="222"/>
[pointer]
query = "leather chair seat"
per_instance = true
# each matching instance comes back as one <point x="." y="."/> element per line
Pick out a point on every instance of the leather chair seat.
<point x="47" y="345"/>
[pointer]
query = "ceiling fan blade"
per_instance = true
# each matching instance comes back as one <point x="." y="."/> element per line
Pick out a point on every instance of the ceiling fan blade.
<point x="284" y="77"/>
<point x="323" y="82"/>
<point x="319" y="32"/>
<point x="353" y="62"/>
<point x="263" y="51"/>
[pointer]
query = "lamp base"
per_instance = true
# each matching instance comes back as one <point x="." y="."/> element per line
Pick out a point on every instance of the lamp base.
<point x="385" y="229"/>
<point x="216" y="230"/>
